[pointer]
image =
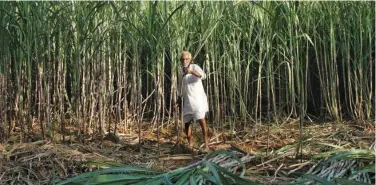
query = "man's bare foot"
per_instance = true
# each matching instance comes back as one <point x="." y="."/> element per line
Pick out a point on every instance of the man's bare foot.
<point x="190" y="145"/>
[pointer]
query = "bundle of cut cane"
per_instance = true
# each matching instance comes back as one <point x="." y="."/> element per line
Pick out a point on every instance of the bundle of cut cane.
<point x="342" y="166"/>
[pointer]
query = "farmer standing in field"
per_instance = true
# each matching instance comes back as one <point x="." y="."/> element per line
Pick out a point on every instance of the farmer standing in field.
<point x="195" y="104"/>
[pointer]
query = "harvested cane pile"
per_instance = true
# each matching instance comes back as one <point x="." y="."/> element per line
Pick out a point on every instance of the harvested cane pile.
<point x="35" y="163"/>
<point x="277" y="162"/>
<point x="342" y="166"/>
<point x="272" y="150"/>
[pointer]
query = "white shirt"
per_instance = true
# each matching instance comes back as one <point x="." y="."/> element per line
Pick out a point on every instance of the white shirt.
<point x="194" y="97"/>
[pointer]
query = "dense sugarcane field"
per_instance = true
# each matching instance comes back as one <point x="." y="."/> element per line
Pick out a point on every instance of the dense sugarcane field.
<point x="88" y="92"/>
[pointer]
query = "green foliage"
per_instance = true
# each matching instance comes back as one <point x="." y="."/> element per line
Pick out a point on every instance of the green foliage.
<point x="202" y="172"/>
<point x="95" y="62"/>
<point x="344" y="154"/>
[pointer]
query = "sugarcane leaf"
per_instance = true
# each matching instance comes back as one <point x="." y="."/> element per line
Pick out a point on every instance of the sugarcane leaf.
<point x="183" y="178"/>
<point x="167" y="180"/>
<point x="284" y="148"/>
<point x="225" y="181"/>
<point x="206" y="176"/>
<point x="159" y="179"/>
<point x="151" y="181"/>
<point x="70" y="183"/>
<point x="354" y="153"/>
<point x="101" y="172"/>
<point x="214" y="171"/>
<point x="305" y="35"/>
<point x="192" y="179"/>
<point x="170" y="16"/>
<point x="231" y="154"/>
<point x="115" y="179"/>
<point x="367" y="169"/>
<point x="318" y="179"/>
<point x="349" y="182"/>
<point x="110" y="164"/>
<point x="328" y="144"/>
<point x="238" y="180"/>
<point x="112" y="179"/>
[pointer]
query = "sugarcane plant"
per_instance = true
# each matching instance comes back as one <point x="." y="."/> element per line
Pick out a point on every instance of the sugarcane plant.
<point x="104" y="66"/>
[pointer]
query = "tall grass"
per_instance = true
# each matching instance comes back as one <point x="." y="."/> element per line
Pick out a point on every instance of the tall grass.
<point x="105" y="66"/>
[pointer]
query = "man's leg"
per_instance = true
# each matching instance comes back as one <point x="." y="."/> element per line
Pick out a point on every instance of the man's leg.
<point x="188" y="132"/>
<point x="205" y="133"/>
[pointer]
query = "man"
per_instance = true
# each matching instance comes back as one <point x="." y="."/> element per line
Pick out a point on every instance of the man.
<point x="195" y="104"/>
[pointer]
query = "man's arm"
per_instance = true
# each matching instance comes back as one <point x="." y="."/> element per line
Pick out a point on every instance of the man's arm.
<point x="194" y="73"/>
<point x="198" y="72"/>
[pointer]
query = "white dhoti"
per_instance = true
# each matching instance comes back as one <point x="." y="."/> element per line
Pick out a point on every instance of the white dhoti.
<point x="195" y="104"/>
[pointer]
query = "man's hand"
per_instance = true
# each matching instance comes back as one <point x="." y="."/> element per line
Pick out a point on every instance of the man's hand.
<point x="185" y="70"/>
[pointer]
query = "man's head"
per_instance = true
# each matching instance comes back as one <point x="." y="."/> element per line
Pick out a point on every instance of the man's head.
<point x="186" y="58"/>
